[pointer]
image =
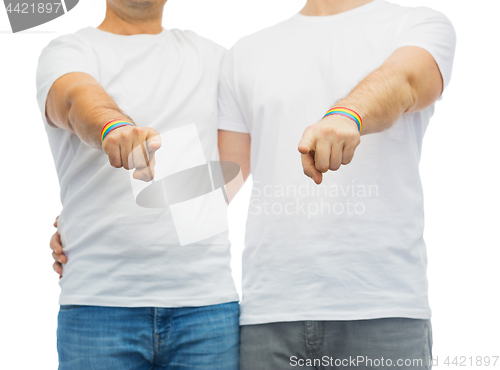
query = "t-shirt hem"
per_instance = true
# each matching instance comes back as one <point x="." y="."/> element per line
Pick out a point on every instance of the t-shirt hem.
<point x="231" y="126"/>
<point x="267" y="318"/>
<point x="147" y="302"/>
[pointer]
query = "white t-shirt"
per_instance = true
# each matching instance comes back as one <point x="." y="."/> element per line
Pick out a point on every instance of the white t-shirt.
<point x="120" y="254"/>
<point x="351" y="248"/>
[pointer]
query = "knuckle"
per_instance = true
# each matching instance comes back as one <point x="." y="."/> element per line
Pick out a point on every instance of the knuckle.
<point x="353" y="139"/>
<point x="134" y="130"/>
<point x="110" y="140"/>
<point x="122" y="135"/>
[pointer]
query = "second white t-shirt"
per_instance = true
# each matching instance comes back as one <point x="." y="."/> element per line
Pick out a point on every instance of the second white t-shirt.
<point x="351" y="248"/>
<point x="121" y="254"/>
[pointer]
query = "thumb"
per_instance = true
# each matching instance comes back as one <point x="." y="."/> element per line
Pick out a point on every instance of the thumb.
<point x="306" y="145"/>
<point x="153" y="141"/>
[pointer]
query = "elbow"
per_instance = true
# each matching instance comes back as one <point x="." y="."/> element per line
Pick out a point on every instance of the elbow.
<point x="422" y="92"/>
<point x="409" y="95"/>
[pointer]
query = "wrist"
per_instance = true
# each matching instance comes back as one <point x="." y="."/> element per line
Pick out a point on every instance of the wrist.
<point x="348" y="113"/>
<point x="113" y="125"/>
<point x="340" y="120"/>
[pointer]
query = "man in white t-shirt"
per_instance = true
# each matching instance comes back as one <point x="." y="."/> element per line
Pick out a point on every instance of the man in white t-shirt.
<point x="133" y="294"/>
<point x="334" y="270"/>
<point x="337" y="270"/>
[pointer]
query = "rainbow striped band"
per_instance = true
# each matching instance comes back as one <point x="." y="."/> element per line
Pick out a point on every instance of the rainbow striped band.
<point x="349" y="113"/>
<point x="113" y="125"/>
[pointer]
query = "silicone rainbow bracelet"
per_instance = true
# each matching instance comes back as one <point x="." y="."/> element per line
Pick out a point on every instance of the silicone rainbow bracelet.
<point x="349" y="113"/>
<point x="113" y="125"/>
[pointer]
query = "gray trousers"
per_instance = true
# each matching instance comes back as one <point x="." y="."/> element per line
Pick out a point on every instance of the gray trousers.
<point x="392" y="343"/>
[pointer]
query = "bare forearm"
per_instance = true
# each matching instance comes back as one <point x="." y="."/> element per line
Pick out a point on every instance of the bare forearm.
<point x="408" y="81"/>
<point x="80" y="105"/>
<point x="380" y="99"/>
<point x="89" y="110"/>
<point x="235" y="147"/>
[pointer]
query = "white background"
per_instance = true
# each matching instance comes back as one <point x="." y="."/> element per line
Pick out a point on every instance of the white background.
<point x="459" y="167"/>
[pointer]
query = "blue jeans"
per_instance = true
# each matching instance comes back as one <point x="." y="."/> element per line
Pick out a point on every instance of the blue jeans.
<point x="145" y="338"/>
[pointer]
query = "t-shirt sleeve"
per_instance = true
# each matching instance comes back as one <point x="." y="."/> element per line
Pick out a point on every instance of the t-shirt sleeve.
<point x="61" y="56"/>
<point x="230" y="114"/>
<point x="432" y="31"/>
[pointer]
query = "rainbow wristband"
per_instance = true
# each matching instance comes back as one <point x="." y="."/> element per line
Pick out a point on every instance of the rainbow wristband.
<point x="349" y="113"/>
<point x="113" y="125"/>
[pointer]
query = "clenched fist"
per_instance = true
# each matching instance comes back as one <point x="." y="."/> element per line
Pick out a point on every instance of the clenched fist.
<point x="133" y="147"/>
<point x="327" y="145"/>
